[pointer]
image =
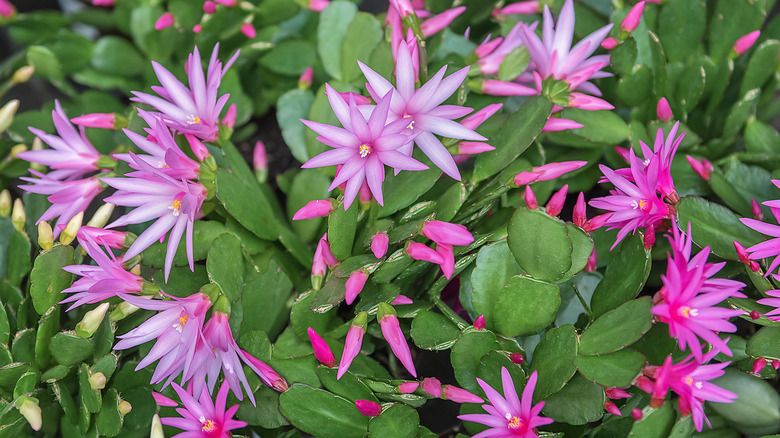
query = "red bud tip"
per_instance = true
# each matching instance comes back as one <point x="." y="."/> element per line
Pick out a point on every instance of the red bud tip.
<point x="637" y="414"/>
<point x="612" y="408"/>
<point x="368" y="408"/>
<point x="759" y="365"/>
<point x="530" y="199"/>
<point x="776" y="364"/>
<point x="479" y="323"/>
<point x="516" y="358"/>
<point x="305" y="80"/>
<point x="758" y="214"/>
<point x="644" y="383"/>
<point x="755" y="315"/>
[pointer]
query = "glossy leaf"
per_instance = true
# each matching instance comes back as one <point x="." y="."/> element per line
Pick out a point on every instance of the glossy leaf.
<point x="397" y="421"/>
<point x="625" y="275"/>
<point x="579" y="402"/>
<point x="433" y="331"/>
<point x="554" y="359"/>
<point x="334" y="21"/>
<point x="319" y="412"/>
<point x="614" y="369"/>
<point x="617" y="328"/>
<point x="48" y="280"/>
<point x="525" y="306"/>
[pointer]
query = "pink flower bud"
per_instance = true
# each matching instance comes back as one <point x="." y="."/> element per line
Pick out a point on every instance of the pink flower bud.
<point x="432" y="387"/>
<point x="304" y="81"/>
<point x="479" y="323"/>
<point x="494" y="87"/>
<point x="364" y="196"/>
<point x="259" y="156"/>
<point x="228" y="3"/>
<point x="475" y="120"/>
<point x="580" y="211"/>
<point x="200" y="150"/>
<point x="197" y="28"/>
<point x="758" y="214"/>
<point x="459" y="395"/>
<point x="96" y="120"/>
<point x="516" y="358"/>
<point x="314" y="209"/>
<point x="623" y="152"/>
<point x="401" y="299"/>
<point x="352" y="343"/>
<point x="327" y="255"/>
<point x="758" y="365"/>
<point x="101" y="3"/>
<point x="746" y="42"/>
<point x="379" y="244"/>
<point x="318" y="5"/>
<point x="755" y="315"/>
<point x="649" y="238"/>
<point x="368" y="408"/>
<point x="609" y="43"/>
<point x="403" y="7"/>
<point x="355" y="283"/>
<point x="776" y="364"/>
<point x="592" y="264"/>
<point x="473" y="147"/>
<point x="487" y="47"/>
<point x="742" y="253"/>
<point x="391" y="330"/>
<point x="596" y="222"/>
<point x="521" y="8"/>
<point x="408" y="387"/>
<point x="165" y="20"/>
<point x="637" y="414"/>
<point x="663" y="110"/>
<point x="525" y="177"/>
<point x="162" y="400"/>
<point x="230" y="117"/>
<point x="420" y="251"/>
<point x="588" y="103"/>
<point x="556" y="124"/>
<point x="448" y="259"/>
<point x="248" y="30"/>
<point x="321" y="350"/>
<point x="630" y="23"/>
<point x="447" y="233"/>
<point x="530" y="198"/>
<point x="644" y="384"/>
<point x="616" y="393"/>
<point x="611" y="408"/>
<point x="555" y="204"/>
<point x="358" y="98"/>
<point x="438" y="22"/>
<point x="703" y="167"/>
<point x="267" y="374"/>
<point x="209" y="7"/>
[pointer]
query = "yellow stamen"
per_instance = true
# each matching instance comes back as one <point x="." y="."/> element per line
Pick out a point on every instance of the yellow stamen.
<point x="365" y="150"/>
<point x="176" y="207"/>
<point x="411" y="124"/>
<point x="182" y="322"/>
<point x="687" y="312"/>
<point x="208" y="426"/>
<point x="688" y="381"/>
<point x="192" y="119"/>
<point x="644" y="205"/>
<point x="515" y="423"/>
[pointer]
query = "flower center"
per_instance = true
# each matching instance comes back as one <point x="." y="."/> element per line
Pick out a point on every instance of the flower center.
<point x="207" y="425"/>
<point x="515" y="424"/>
<point x="176" y="204"/>
<point x="687" y="312"/>
<point x="411" y="124"/>
<point x="688" y="381"/>
<point x="642" y="204"/>
<point x="182" y="322"/>
<point x="365" y="150"/>
<point x="192" y="119"/>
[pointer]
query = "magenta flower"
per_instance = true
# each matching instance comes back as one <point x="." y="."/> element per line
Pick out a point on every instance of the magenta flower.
<point x="321" y="349"/>
<point x="101" y="282"/>
<point x="774" y="315"/>
<point x="663" y="110"/>
<point x="771" y="247"/>
<point x="363" y="147"/>
<point x="434" y="24"/>
<point x="631" y="22"/>
<point x="368" y="408"/>
<point x="553" y="56"/>
<point x="202" y="418"/>
<point x="177" y="327"/>
<point x="664" y="149"/>
<point x="355" y="282"/>
<point x="314" y="209"/>
<point x="67" y="198"/>
<point x="194" y="110"/>
<point x="635" y="205"/>
<point x="379" y="244"/>
<point x="109" y="238"/>
<point x="547" y="172"/>
<point x="491" y="53"/>
<point x="421" y="109"/>
<point x="175" y="204"/>
<point x="352" y="343"/>
<point x="525" y="7"/>
<point x="394" y="336"/>
<point x="445" y="235"/>
<point x="509" y="416"/>
<point x="689" y="298"/>
<point x="690" y="380"/>
<point x="72" y="155"/>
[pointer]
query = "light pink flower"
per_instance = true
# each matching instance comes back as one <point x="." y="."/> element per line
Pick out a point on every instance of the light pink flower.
<point x="67" y="198"/>
<point x="314" y="209"/>
<point x="202" y="418"/>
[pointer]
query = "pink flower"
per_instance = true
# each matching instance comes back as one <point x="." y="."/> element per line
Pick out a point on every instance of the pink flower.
<point x="379" y="244"/>
<point x="491" y="53"/>
<point x="771" y="247"/>
<point x="664" y="150"/>
<point x="267" y="374"/>
<point x="495" y="87"/>
<point x="315" y="209"/>
<point x="555" y="124"/>
<point x="527" y="7"/>
<point x="509" y="416"/>
<point x="194" y="109"/>
<point x="96" y="120"/>
<point x="403" y="7"/>
<point x="321" y="349"/>
<point x="745" y="42"/>
<point x="433" y="25"/>
<point x="177" y="327"/>
<point x="459" y="395"/>
<point x="447" y="233"/>
<point x="364" y="148"/>
<point x="663" y="110"/>
<point x="555" y="204"/>
<point x="352" y="343"/>
<point x="355" y="282"/>
<point x="368" y="408"/>
<point x="631" y="22"/>
<point x="165" y="20"/>
<point x="479" y="323"/>
<point x="609" y="43"/>
<point x="394" y="336"/>
<point x="318" y="5"/>
<point x="202" y="418"/>
<point x="420" y="251"/>
<point x="229" y="119"/>
<point x="7" y="10"/>
<point x="547" y="172"/>
<point x="774" y="314"/>
<point x="103" y="2"/>
<point x="109" y="238"/>
<point x="67" y="198"/>
<point x="612" y="408"/>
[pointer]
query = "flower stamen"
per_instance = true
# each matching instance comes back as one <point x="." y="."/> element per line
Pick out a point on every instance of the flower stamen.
<point x="365" y="150"/>
<point x="182" y="322"/>
<point x="192" y="119"/>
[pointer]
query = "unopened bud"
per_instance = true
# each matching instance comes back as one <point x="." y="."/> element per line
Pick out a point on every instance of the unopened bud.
<point x="229" y="119"/>
<point x="631" y="22"/>
<point x="612" y="408"/>
<point x="101" y="216"/>
<point x="91" y="321"/>
<point x="18" y="217"/>
<point x="744" y="43"/>
<point x="248" y="30"/>
<point x="124" y="407"/>
<point x="23" y="74"/>
<point x="637" y="414"/>
<point x="123" y="310"/>
<point x="165" y="20"/>
<point x="649" y="238"/>
<point x="7" y="113"/>
<point x="555" y="204"/>
<point x="408" y="387"/>
<point x="703" y="167"/>
<point x="5" y="203"/>
<point x="609" y="43"/>
<point x="593" y="263"/>
<point x="260" y="161"/>
<point x="304" y="82"/>
<point x="31" y="411"/>
<point x="776" y="364"/>
<point x="757" y="213"/>
<point x="755" y="315"/>
<point x="368" y="408"/>
<point x="432" y="387"/>
<point x="758" y="365"/>
<point x="45" y="236"/>
<point x="530" y="199"/>
<point x="157" y="428"/>
<point x="97" y="381"/>
<point x="209" y="7"/>
<point x="516" y="358"/>
<point x="197" y="28"/>
<point x="72" y="229"/>
<point x="479" y="323"/>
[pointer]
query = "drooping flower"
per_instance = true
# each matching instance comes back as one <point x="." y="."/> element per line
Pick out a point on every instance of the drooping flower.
<point x="394" y="336"/>
<point x="421" y="109"/>
<point x="771" y="247"/>
<point x="203" y="418"/>
<point x="363" y="147"/>
<point x="352" y="343"/>
<point x="175" y="204"/>
<point x="547" y="172"/>
<point x="321" y="349"/>
<point x="194" y="109"/>
<point x="509" y="416"/>
<point x="101" y="282"/>
<point x="177" y="326"/>
<point x="445" y="235"/>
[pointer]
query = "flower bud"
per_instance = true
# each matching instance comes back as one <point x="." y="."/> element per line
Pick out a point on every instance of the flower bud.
<point x="97" y="381"/>
<point x="318" y="5"/>
<point x="592" y="264"/>
<point x="70" y="231"/>
<point x="391" y="330"/>
<point x="355" y="282"/>
<point x="125" y="309"/>
<point x="103" y="2"/>
<point x="445" y="233"/>
<point x="588" y="103"/>
<point x="475" y="120"/>
<point x="305" y="80"/>
<point x="18" y="216"/>
<point x="101" y="216"/>
<point x="459" y="395"/>
<point x="229" y="119"/>
<point x="5" y="203"/>
<point x="612" y="408"/>
<point x="648" y="238"/>
<point x="745" y="42"/>
<point x="260" y="162"/>
<point x="516" y="358"/>
<point x="596" y="222"/>
<point x="631" y="22"/>
<point x="494" y="87"/>
<point x="758" y="365"/>
<point x="479" y="323"/>
<point x="420" y="251"/>
<point x="403" y="7"/>
<point x="265" y="372"/>
<point x="400" y="300"/>
<point x="379" y="244"/>
<point x="316" y="208"/>
<point x="23" y="74"/>
<point x="162" y="400"/>
<point x="97" y="120"/>
<point x="555" y="204"/>
<point x="91" y="321"/>
<point x="758" y="214"/>
<point x="7" y="113"/>
<point x="609" y="43"/>
<point x="776" y="364"/>
<point x="197" y="28"/>
<point x="473" y="147"/>
<point x="637" y="414"/>
<point x="352" y="343"/>
<point x="45" y="236"/>
<point x="663" y="110"/>
<point x="580" y="211"/>
<point x="248" y="30"/>
<point x="616" y="393"/>
<point x="703" y="167"/>
<point x="368" y="408"/>
<point x="435" y="24"/>
<point x="228" y="3"/>
<point x="124" y="407"/>
<point x="157" y="428"/>
<point x="31" y="411"/>
<point x="408" y="387"/>
<point x="321" y="349"/>
<point x="755" y="314"/>
<point x="165" y="20"/>
<point x="432" y="387"/>
<point x="530" y="198"/>
<point x="7" y="10"/>
<point x="209" y="7"/>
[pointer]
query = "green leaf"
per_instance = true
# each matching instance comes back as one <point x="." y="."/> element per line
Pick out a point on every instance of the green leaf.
<point x="655" y="423"/>
<point x="762" y="66"/>
<point x="635" y="87"/>
<point x="302" y="317"/>
<point x="554" y="359"/>
<point x="765" y="343"/>
<point x="433" y="331"/>
<point x="11" y="373"/>
<point x="525" y="306"/>
<point x="256" y="214"/>
<point x="267" y="296"/>
<point x="540" y="244"/>
<point x="402" y="190"/>
<point x="715" y="226"/>
<point x="55" y="373"/>
<point x="334" y="22"/>
<point x="757" y="405"/>
<point x="289" y="57"/>
<point x="364" y="32"/>
<point x="290" y="108"/>
<point x="599" y="126"/>
<point x="91" y="398"/>
<point x="48" y="280"/>
<point x="618" y="328"/>
<point x="495" y="265"/>
<point x="319" y="412"/>
<point x="45" y="62"/>
<point x="681" y="26"/>
<point x="397" y="421"/>
<point x="625" y="276"/>
<point x="466" y="353"/>
<point x="69" y="349"/>
<point x="730" y="21"/>
<point x="761" y="138"/>
<point x="48" y="325"/>
<point x="225" y="265"/>
<point x="490" y="370"/>
<point x="579" y="402"/>
<point x="18" y="257"/>
<point x="265" y="413"/>
<point x="108" y="420"/>
<point x="689" y="88"/>
<point x="23" y="347"/>
<point x="740" y="113"/>
<point x="514" y="64"/>
<point x="348" y="386"/>
<point x="515" y="136"/>
<point x="623" y="57"/>
<point x="117" y="57"/>
<point x="342" y="225"/>
<point x="614" y="369"/>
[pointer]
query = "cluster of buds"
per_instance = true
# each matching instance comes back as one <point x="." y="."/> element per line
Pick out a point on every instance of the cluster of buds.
<point x="627" y="26"/>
